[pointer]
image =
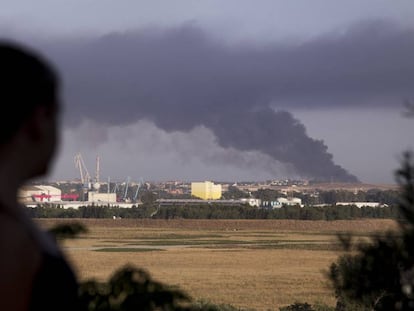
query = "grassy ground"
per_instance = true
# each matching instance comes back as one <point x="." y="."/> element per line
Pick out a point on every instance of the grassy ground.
<point x="260" y="264"/>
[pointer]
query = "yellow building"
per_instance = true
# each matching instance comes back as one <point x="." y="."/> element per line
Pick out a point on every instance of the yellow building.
<point x="206" y="190"/>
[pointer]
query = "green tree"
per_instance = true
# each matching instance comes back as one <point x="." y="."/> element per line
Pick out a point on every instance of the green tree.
<point x="298" y="307"/>
<point x="235" y="193"/>
<point x="267" y="194"/>
<point x="380" y="276"/>
<point x="131" y="288"/>
<point x="67" y="230"/>
<point x="148" y="198"/>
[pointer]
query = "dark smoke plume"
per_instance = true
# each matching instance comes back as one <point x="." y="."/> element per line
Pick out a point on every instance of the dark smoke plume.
<point x="181" y="78"/>
<point x="280" y="136"/>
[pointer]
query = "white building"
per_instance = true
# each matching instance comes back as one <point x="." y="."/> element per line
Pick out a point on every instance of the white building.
<point x="252" y="202"/>
<point x="97" y="197"/>
<point x="361" y="204"/>
<point x="39" y="193"/>
<point x="290" y="201"/>
<point x="283" y="201"/>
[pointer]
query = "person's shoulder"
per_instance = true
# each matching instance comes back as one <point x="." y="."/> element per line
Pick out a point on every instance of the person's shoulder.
<point x="45" y="240"/>
<point x="19" y="262"/>
<point x="16" y="242"/>
<point x="36" y="267"/>
<point x="55" y="278"/>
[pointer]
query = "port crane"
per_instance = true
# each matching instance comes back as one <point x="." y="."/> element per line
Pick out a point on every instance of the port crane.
<point x="115" y="189"/>
<point x="126" y="188"/>
<point x="83" y="171"/>
<point x="139" y="185"/>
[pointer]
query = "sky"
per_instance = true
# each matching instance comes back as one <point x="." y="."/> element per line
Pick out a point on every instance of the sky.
<point x="227" y="90"/>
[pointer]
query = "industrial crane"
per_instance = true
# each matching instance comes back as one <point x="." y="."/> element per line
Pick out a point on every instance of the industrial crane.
<point x="126" y="189"/>
<point x="83" y="171"/>
<point x="138" y="187"/>
<point x="115" y="189"/>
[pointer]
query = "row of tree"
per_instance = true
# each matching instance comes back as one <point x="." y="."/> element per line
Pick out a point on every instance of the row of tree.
<point x="219" y="212"/>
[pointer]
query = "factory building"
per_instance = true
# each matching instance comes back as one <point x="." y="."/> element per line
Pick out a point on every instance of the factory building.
<point x="361" y="204"/>
<point x="290" y="201"/>
<point x="39" y="193"/>
<point x="206" y="190"/>
<point x="97" y="197"/>
<point x="252" y="201"/>
<point x="283" y="202"/>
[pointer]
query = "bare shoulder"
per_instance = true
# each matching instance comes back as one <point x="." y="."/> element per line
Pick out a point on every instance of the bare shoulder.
<point x="20" y="259"/>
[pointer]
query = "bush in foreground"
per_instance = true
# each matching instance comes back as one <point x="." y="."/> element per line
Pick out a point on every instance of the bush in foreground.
<point x="380" y="276"/>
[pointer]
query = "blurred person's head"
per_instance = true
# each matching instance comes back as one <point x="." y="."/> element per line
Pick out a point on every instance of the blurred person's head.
<point x="29" y="99"/>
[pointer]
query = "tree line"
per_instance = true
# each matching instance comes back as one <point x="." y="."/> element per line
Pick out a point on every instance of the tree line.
<point x="215" y="211"/>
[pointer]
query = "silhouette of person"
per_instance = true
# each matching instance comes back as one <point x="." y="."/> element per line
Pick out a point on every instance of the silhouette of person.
<point x="34" y="273"/>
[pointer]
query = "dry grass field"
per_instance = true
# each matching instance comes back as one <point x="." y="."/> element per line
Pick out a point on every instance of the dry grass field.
<point x="258" y="264"/>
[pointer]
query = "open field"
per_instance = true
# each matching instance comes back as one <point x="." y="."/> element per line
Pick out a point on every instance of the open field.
<point x="260" y="264"/>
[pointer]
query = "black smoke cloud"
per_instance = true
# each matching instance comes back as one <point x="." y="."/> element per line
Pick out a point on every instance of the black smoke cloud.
<point x="181" y="78"/>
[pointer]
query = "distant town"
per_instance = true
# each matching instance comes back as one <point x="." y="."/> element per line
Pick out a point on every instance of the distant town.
<point x="269" y="194"/>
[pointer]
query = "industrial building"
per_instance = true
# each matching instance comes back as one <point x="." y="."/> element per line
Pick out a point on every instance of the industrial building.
<point x="99" y="197"/>
<point x="206" y="190"/>
<point x="283" y="202"/>
<point x="252" y="201"/>
<point x="361" y="204"/>
<point x="39" y="193"/>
